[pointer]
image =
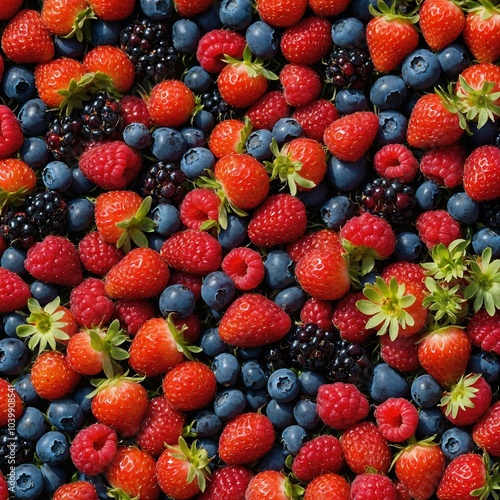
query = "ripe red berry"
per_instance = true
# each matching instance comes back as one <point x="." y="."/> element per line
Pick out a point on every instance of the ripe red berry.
<point x="397" y="419"/>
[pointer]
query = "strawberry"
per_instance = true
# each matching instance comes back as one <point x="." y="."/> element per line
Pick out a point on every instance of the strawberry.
<point x="171" y="103"/>
<point x="350" y="137"/>
<point x="444" y="354"/>
<point x="316" y="239"/>
<point x="26" y="39"/>
<point x="246" y="438"/>
<point x="266" y="111"/>
<point x="158" y="346"/>
<point x="301" y="84"/>
<point x="273" y="485"/>
<point x="375" y="486"/>
<point x="112" y="10"/>
<point x="481" y="32"/>
<point x="54" y="260"/>
<point x="441" y="22"/>
<point x="14" y="291"/>
<point x="486" y="430"/>
<point x="280" y="219"/>
<point x="189" y="8"/>
<point x="78" y="490"/>
<point x="308" y="41"/>
<point x="217" y="44"/>
<point x="67" y="17"/>
<point x="132" y="474"/>
<point x="17" y="179"/>
<point x="89" y="303"/>
<point x="52" y="376"/>
<point x="9" y="8"/>
<point x="281" y="13"/>
<point x="481" y="171"/>
<point x="419" y="467"/>
<point x="182" y="470"/>
<point x="328" y="485"/>
<point x="11" y="404"/>
<point x="315" y="117"/>
<point x="141" y="274"/>
<point x="231" y="480"/>
<point x="228" y="137"/>
<point x="242" y="82"/>
<point x="390" y="36"/>
<point x="253" y="320"/>
<point x="96" y="255"/>
<point x="119" y="402"/>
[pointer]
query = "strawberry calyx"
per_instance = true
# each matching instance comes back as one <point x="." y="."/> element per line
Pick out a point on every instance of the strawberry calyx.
<point x="13" y="198"/>
<point x="293" y="490"/>
<point x="446" y="303"/>
<point x="81" y="27"/>
<point x="182" y="346"/>
<point x="451" y="102"/>
<point x="136" y="226"/>
<point x="116" y="380"/>
<point x="492" y="480"/>
<point x="287" y="169"/>
<point x="119" y="494"/>
<point x="461" y="395"/>
<point x="361" y="258"/>
<point x="410" y="444"/>
<point x="484" y="8"/>
<point x="484" y="282"/>
<point x="448" y="262"/>
<point x="43" y="325"/>
<point x="245" y="132"/>
<point x="254" y="67"/>
<point x="390" y="12"/>
<point x="386" y="304"/>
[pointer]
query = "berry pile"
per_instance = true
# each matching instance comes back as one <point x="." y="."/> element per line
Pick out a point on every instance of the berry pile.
<point x="249" y="249"/>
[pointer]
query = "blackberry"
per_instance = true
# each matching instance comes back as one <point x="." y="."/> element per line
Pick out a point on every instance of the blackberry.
<point x="348" y="68"/>
<point x="13" y="448"/>
<point x="389" y="199"/>
<point x="48" y="212"/>
<point x="148" y="44"/>
<point x="64" y="137"/>
<point x="164" y="183"/>
<point x="101" y="118"/>
<point x="17" y="229"/>
<point x="489" y="214"/>
<point x="213" y="103"/>
<point x="275" y="356"/>
<point x="351" y="364"/>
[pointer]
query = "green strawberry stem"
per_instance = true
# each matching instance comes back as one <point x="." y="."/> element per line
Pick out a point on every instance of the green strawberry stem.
<point x="410" y="444"/>
<point x="13" y="198"/>
<point x="391" y="13"/>
<point x="253" y="67"/>
<point x="448" y="263"/>
<point x="119" y="494"/>
<point x="293" y="490"/>
<point x="492" y="480"/>
<point x="486" y="8"/>
<point x="182" y="346"/>
<point x="461" y="395"/>
<point x="446" y="304"/>
<point x="43" y="325"/>
<point x="451" y="103"/>
<point x="103" y="383"/>
<point x="81" y="26"/>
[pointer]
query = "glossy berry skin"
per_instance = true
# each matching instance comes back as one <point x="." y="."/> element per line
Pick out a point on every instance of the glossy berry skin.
<point x="437" y="226"/>
<point x="485" y="430"/>
<point x="281" y="14"/>
<point x="215" y="44"/>
<point x="455" y="442"/>
<point x="425" y="391"/>
<point x="480" y="171"/>
<point x="11" y="139"/>
<point x="228" y="480"/>
<point x="421" y="69"/>
<point x="328" y="485"/>
<point x="377" y="486"/>
<point x="170" y="103"/>
<point x="78" y="490"/>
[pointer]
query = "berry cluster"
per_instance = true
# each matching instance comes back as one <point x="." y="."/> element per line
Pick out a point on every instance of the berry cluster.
<point x="249" y="249"/>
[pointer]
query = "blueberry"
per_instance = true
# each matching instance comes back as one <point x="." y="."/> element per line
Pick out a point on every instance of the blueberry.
<point x="52" y="448"/>
<point x="13" y="259"/>
<point x="34" y="152"/>
<point x="26" y="391"/>
<point x="360" y="9"/>
<point x="14" y="356"/>
<point x="428" y="195"/>
<point x="195" y="161"/>
<point x="168" y="144"/>
<point x="234" y="234"/>
<point x="486" y="363"/>
<point x="80" y="396"/>
<point x="252" y="375"/>
<point x="274" y="459"/>
<point x="392" y="128"/>
<point x="98" y="482"/>
<point x="256" y="398"/>
<point x="178" y="299"/>
<point x="283" y="385"/>
<point x="195" y="138"/>
<point x="185" y="36"/>
<point x="278" y="269"/>
<point x="197" y="79"/>
<point x="226" y="368"/>
<point x="421" y="69"/>
<point x="33" y="117"/>
<point x="349" y="33"/>
<point x="305" y="413"/>
<point x="286" y="129"/>
<point x="262" y="40"/>
<point x="54" y="476"/>
<point x="56" y="176"/>
<point x="211" y="343"/>
<point x="155" y="241"/>
<point x="408" y="246"/>
<point x="310" y="382"/>
<point x="206" y="423"/>
<point x="10" y="323"/>
<point x="80" y="214"/>
<point x="315" y="197"/>
<point x="345" y="175"/>
<point x="291" y="299"/>
<point x="229" y="404"/>
<point x="258" y="144"/>
<point x="348" y="101"/>
<point x="208" y="20"/>
<point x="236" y="14"/>
<point x="137" y="135"/>
<point x="31" y="424"/>
<point x="387" y="383"/>
<point x="157" y="10"/>
<point x="28" y="482"/>
<point x="452" y="59"/>
<point x="167" y="219"/>
<point x="337" y="211"/>
<point x="218" y="290"/>
<point x="425" y="391"/>
<point x="211" y="446"/>
<point x="80" y="184"/>
<point x="69" y="47"/>
<point x="431" y="421"/>
<point x="455" y="442"/>
<point x="388" y="92"/>
<point x="105" y="32"/>
<point x="481" y="136"/>
<point x="293" y="438"/>
<point x="18" y="83"/>
<point x="484" y="238"/>
<point x="248" y="353"/>
<point x="280" y="414"/>
<point x="65" y="415"/>
<point x="463" y="208"/>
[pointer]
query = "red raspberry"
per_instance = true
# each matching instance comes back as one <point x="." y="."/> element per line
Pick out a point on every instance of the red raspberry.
<point x="437" y="226"/>
<point x="271" y="107"/>
<point x="315" y="117"/>
<point x="318" y="239"/>
<point x="14" y="292"/>
<point x="230" y="481"/>
<point x="349" y="320"/>
<point x="192" y="281"/>
<point x="341" y="405"/>
<point x="93" y="448"/>
<point x="12" y="135"/>
<point x="397" y="419"/>
<point x="318" y="456"/>
<point x="444" y="165"/>
<point x="308" y="41"/>
<point x="484" y="330"/>
<point x="318" y="312"/>
<point x="162" y="424"/>
<point x="405" y="272"/>
<point x="89" y="303"/>
<point x="134" y="110"/>
<point x="373" y="486"/>
<point x="395" y="161"/>
<point x="199" y="206"/>
<point x="98" y="256"/>
<point x="245" y="267"/>
<point x="217" y="44"/>
<point x="301" y="84"/>
<point x="400" y="353"/>
<point x="3" y="246"/>
<point x="132" y="314"/>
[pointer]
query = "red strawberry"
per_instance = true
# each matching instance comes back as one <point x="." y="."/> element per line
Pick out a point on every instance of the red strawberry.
<point x="281" y="13"/>
<point x="273" y="485"/>
<point x="11" y="404"/>
<point x="228" y="137"/>
<point x="17" y="179"/>
<point x="26" y="39"/>
<point x="301" y="84"/>
<point x="481" y="172"/>
<point x="350" y="137"/>
<point x="112" y="10"/>
<point x="54" y="260"/>
<point x="246" y="438"/>
<point x="11" y="139"/>
<point x="96" y="255"/>
<point x="271" y="107"/>
<point x="253" y="320"/>
<point x="375" y="486"/>
<point x="171" y="103"/>
<point x="328" y="485"/>
<point x="67" y="17"/>
<point x="487" y="429"/>
<point x="308" y="41"/>
<point x="78" y="490"/>
<point x="231" y="480"/>
<point x="4" y="488"/>
<point x="437" y="226"/>
<point x="14" y="291"/>
<point x="316" y="239"/>
<point x="89" y="304"/>
<point x="315" y="117"/>
<point x="217" y="44"/>
<point x="189" y="8"/>
<point x="444" y="165"/>
<point x="9" y="8"/>
<point x="280" y="219"/>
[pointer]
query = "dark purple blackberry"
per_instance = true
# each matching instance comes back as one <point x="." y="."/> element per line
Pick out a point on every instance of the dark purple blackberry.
<point x="14" y="450"/>
<point x="489" y="214"/>
<point x="164" y="183"/>
<point x="64" y="137"/>
<point x="48" y="212"/>
<point x="276" y="356"/>
<point x="389" y="199"/>
<point x="348" y="68"/>
<point x="213" y="103"/>
<point x="350" y="364"/>
<point x="17" y="229"/>
<point x="101" y="118"/>
<point x="148" y="45"/>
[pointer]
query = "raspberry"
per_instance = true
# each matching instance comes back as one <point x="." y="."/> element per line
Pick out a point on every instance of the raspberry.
<point x="229" y="481"/>
<point x="217" y="44"/>
<point x="395" y="161"/>
<point x="397" y="419"/>
<point x="301" y="84"/>
<point x="349" y="320"/>
<point x="98" y="256"/>
<point x="132" y="314"/>
<point x="134" y="110"/>
<point x="444" y="165"/>
<point x="318" y="239"/>
<point x="400" y="353"/>
<point x="405" y="272"/>
<point x="199" y="206"/>
<point x="271" y="107"/>
<point x="484" y="330"/>
<point x="94" y="448"/>
<point x="437" y="226"/>
<point x="315" y="117"/>
<point x="341" y="405"/>
<point x="318" y="312"/>
<point x="14" y="292"/>
<point x="89" y="303"/>
<point x="245" y="267"/>
<point x="373" y="486"/>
